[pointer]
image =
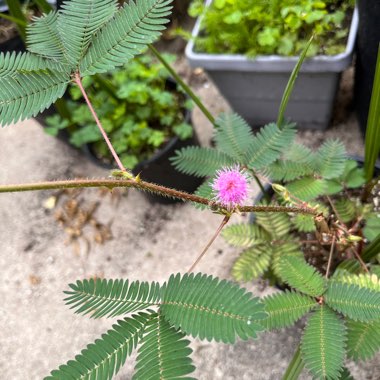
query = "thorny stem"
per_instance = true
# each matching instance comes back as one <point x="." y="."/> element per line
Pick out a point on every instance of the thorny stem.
<point x="330" y="256"/>
<point x="78" y="81"/>
<point x="146" y="186"/>
<point x="224" y="222"/>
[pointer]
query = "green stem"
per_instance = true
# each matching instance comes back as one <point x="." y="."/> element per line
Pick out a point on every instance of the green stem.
<point x="18" y="22"/>
<point x="184" y="86"/>
<point x="194" y="97"/>
<point x="372" y="137"/>
<point x="295" y="367"/>
<point x="146" y="186"/>
<point x="15" y="11"/>
<point x="290" y="85"/>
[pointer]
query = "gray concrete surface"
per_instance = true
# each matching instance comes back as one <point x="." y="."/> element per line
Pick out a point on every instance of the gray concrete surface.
<point x="38" y="332"/>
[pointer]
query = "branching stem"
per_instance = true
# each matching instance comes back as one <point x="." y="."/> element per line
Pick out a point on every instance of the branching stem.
<point x="146" y="186"/>
<point x="224" y="222"/>
<point x="78" y="81"/>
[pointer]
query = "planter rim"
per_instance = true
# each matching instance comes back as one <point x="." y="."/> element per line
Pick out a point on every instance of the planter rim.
<point x="272" y="63"/>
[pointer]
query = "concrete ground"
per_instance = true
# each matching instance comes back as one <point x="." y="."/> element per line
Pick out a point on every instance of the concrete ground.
<point x="38" y="332"/>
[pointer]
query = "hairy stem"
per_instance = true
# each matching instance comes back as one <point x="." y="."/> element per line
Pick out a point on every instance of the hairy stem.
<point x="146" y="186"/>
<point x="224" y="222"/>
<point x="184" y="86"/>
<point x="78" y="81"/>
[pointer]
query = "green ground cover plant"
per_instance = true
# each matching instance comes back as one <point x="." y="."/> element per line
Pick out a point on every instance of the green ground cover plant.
<point x="138" y="106"/>
<point x="341" y="300"/>
<point x="253" y="27"/>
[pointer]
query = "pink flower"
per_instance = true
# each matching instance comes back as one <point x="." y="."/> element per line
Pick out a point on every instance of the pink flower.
<point x="230" y="187"/>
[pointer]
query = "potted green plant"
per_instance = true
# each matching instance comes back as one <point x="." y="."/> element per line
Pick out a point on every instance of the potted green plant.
<point x="144" y="113"/>
<point x="249" y="49"/>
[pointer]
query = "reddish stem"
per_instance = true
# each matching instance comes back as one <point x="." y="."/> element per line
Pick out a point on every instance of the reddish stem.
<point x="224" y="222"/>
<point x="78" y="81"/>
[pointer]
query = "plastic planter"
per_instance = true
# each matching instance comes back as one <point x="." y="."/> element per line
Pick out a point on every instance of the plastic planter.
<point x="254" y="87"/>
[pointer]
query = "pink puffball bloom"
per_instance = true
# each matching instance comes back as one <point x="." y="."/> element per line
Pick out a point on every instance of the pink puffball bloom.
<point x="230" y="187"/>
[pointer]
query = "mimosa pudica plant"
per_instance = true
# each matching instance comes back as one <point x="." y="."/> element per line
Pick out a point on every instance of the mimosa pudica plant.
<point x="156" y="318"/>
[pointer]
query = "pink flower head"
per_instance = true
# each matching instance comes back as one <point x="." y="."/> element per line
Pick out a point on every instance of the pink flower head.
<point x="230" y="187"/>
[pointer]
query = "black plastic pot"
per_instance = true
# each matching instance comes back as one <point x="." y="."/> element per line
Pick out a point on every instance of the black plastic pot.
<point x="366" y="54"/>
<point x="158" y="169"/>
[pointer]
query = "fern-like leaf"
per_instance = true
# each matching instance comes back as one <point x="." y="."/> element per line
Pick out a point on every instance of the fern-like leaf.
<point x="102" y="298"/>
<point x="268" y="144"/>
<point x="282" y="250"/>
<point x="104" y="358"/>
<point x="307" y="188"/>
<point x="79" y="21"/>
<point x="363" y="280"/>
<point x="233" y="135"/>
<point x="363" y="339"/>
<point x="12" y="63"/>
<point x="323" y="344"/>
<point x="245" y="235"/>
<point x="252" y="263"/>
<point x="284" y="309"/>
<point x="199" y="161"/>
<point x="355" y="302"/>
<point x="346" y="210"/>
<point x="301" y="276"/>
<point x="43" y="38"/>
<point x="276" y="224"/>
<point x="285" y="170"/>
<point x="331" y="159"/>
<point x="164" y="354"/>
<point x="209" y="308"/>
<point x="133" y="27"/>
<point x="304" y="223"/>
<point x="25" y="94"/>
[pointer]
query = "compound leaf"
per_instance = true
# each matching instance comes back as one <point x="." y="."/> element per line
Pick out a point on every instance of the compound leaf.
<point x="194" y="160"/>
<point x="363" y="339"/>
<point x="285" y="308"/>
<point x="102" y="298"/>
<point x="275" y="223"/>
<point x="301" y="276"/>
<point x="102" y="359"/>
<point x="12" y="63"/>
<point x="307" y="188"/>
<point x="353" y="301"/>
<point x="323" y="344"/>
<point x="252" y="263"/>
<point x="245" y="235"/>
<point x="331" y="159"/>
<point x="268" y="144"/>
<point x="133" y="27"/>
<point x="78" y="21"/>
<point x="25" y="94"/>
<point x="233" y="135"/>
<point x="43" y="38"/>
<point x="164" y="354"/>
<point x="209" y="308"/>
